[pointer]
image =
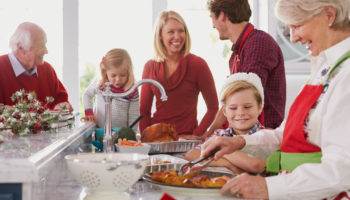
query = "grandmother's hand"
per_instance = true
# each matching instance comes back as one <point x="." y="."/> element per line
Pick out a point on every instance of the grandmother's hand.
<point x="226" y="144"/>
<point x="247" y="187"/>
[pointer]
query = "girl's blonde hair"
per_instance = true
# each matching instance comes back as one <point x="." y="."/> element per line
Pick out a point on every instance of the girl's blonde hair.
<point x="159" y="48"/>
<point x="237" y="86"/>
<point x="116" y="58"/>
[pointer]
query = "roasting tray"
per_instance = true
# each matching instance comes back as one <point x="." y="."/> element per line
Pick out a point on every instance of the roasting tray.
<point x="172" y="147"/>
<point x="176" y="166"/>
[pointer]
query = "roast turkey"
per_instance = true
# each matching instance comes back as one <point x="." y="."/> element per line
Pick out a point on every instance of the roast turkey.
<point x="160" y="132"/>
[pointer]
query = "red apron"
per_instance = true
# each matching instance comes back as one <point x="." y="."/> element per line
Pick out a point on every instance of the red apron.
<point x="294" y="135"/>
<point x="294" y="143"/>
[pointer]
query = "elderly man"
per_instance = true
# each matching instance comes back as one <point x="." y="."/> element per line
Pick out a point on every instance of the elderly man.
<point x="25" y="68"/>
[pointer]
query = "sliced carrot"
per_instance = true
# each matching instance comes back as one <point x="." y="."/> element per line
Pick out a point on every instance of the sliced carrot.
<point x="125" y="142"/>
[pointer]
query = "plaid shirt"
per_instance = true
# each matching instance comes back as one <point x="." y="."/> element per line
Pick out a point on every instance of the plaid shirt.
<point x="228" y="132"/>
<point x="260" y="54"/>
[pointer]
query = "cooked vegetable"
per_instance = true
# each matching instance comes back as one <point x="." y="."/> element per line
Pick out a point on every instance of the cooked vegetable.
<point x="127" y="133"/>
<point x="125" y="142"/>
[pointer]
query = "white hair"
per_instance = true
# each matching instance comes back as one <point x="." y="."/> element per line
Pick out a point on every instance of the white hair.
<point x="298" y="11"/>
<point x="22" y="37"/>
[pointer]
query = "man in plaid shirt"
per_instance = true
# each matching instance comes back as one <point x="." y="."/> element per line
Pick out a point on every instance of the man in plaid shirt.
<point x="253" y="51"/>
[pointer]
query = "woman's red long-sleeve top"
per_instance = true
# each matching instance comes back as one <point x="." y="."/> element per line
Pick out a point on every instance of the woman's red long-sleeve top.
<point x="191" y="77"/>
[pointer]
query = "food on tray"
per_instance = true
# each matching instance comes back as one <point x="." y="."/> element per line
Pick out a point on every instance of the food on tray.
<point x="125" y="142"/>
<point x="157" y="162"/>
<point x="127" y="133"/>
<point x="160" y="132"/>
<point x="162" y="162"/>
<point x="171" y="177"/>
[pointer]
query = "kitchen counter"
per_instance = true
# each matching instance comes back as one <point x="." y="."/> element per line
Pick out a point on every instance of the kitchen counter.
<point x="139" y="191"/>
<point x="31" y="164"/>
<point x="33" y="167"/>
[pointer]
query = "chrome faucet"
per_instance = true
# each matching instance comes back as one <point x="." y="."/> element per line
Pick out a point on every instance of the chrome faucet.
<point x="108" y="95"/>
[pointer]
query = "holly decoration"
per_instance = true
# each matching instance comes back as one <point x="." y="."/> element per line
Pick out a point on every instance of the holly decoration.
<point x="28" y="115"/>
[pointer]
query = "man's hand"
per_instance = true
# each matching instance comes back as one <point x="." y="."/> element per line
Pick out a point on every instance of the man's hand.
<point x="247" y="187"/>
<point x="63" y="105"/>
<point x="226" y="145"/>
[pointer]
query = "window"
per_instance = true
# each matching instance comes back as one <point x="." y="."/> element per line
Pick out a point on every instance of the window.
<point x="107" y="24"/>
<point x="14" y="12"/>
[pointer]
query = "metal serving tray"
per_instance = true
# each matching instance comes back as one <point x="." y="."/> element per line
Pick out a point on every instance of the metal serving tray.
<point x="186" y="190"/>
<point x="173" y="147"/>
<point x="176" y="166"/>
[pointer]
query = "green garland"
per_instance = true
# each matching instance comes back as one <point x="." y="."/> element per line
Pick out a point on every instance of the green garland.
<point x="28" y="115"/>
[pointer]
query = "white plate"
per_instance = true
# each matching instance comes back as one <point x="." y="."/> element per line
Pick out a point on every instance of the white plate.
<point x="64" y="112"/>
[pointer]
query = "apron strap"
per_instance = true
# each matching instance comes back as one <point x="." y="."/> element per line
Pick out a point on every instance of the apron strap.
<point x="289" y="161"/>
<point x="339" y="61"/>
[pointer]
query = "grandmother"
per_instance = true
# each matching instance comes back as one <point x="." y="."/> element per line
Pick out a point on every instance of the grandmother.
<point x="314" y="157"/>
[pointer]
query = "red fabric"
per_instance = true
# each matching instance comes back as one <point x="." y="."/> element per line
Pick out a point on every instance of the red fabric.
<point x="294" y="136"/>
<point x="45" y="84"/>
<point x="121" y="90"/>
<point x="342" y="196"/>
<point x="236" y="61"/>
<point x="191" y="77"/>
<point x="166" y="196"/>
<point x="261" y="54"/>
<point x="89" y="112"/>
<point x="261" y="118"/>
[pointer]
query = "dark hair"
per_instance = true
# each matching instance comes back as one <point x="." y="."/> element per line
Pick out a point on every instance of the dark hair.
<point x="237" y="11"/>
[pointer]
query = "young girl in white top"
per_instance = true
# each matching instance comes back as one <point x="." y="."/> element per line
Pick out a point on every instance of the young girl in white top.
<point x="116" y="68"/>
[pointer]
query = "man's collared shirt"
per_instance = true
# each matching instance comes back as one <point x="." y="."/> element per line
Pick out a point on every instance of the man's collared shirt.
<point x="18" y="67"/>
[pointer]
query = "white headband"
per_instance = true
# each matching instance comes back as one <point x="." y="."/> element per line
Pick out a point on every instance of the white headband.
<point x="250" y="77"/>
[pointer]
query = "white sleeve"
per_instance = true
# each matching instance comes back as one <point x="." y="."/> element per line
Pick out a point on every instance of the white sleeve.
<point x="264" y="142"/>
<point x="332" y="175"/>
<point x="89" y="93"/>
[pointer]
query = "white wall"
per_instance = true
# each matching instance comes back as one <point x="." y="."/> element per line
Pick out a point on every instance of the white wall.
<point x="294" y="85"/>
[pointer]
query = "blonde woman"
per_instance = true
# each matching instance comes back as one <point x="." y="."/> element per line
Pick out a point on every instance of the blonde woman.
<point x="183" y="75"/>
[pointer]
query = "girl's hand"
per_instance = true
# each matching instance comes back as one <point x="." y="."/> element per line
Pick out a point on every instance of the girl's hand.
<point x="89" y="118"/>
<point x="102" y="86"/>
